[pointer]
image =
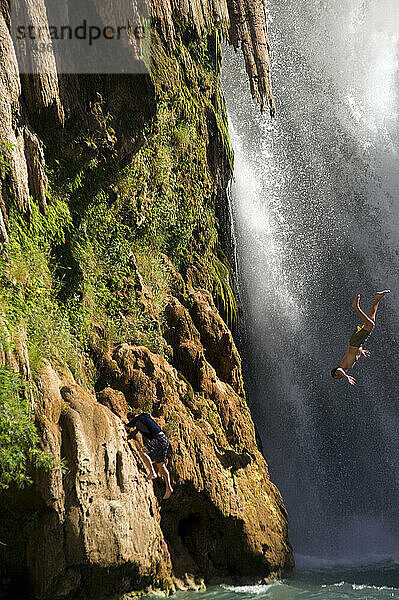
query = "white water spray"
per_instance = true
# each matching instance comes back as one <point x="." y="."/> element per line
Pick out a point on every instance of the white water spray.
<point x="315" y="203"/>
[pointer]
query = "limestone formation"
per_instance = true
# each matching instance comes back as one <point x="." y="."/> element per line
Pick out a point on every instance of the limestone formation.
<point x="103" y="514"/>
<point x="241" y="21"/>
<point x="37" y="176"/>
<point x="11" y="136"/>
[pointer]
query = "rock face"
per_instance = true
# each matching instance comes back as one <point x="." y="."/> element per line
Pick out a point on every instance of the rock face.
<point x="242" y="21"/>
<point x="103" y="513"/>
<point x="225" y="520"/>
<point x="94" y="526"/>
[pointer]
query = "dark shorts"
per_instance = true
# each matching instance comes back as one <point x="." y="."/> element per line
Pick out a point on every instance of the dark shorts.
<point x="359" y="336"/>
<point x="158" y="447"/>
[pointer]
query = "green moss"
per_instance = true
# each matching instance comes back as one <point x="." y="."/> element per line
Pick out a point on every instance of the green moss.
<point x="5" y="147"/>
<point x="168" y="192"/>
<point x="68" y="276"/>
<point x="224" y="293"/>
<point x="211" y="414"/>
<point x="28" y="289"/>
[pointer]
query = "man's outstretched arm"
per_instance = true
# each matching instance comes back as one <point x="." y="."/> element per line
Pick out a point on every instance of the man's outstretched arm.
<point x="351" y="380"/>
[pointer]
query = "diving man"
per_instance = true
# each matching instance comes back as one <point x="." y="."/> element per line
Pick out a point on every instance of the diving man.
<point x="358" y="338"/>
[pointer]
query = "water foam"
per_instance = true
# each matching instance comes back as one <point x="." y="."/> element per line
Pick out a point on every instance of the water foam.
<point x="251" y="589"/>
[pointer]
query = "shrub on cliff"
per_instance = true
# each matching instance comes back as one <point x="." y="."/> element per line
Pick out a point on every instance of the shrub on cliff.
<point x="19" y="440"/>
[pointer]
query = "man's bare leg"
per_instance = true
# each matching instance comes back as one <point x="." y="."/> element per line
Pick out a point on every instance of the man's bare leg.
<point x="148" y="464"/>
<point x="374" y="306"/>
<point x="368" y="322"/>
<point x="164" y="473"/>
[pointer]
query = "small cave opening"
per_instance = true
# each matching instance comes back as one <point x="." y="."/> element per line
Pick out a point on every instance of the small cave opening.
<point x="119" y="471"/>
<point x="188" y="526"/>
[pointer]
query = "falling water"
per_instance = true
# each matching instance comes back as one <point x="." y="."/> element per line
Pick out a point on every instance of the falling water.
<point x="315" y="205"/>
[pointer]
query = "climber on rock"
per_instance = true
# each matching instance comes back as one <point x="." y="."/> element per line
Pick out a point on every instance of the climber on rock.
<point x="155" y="447"/>
<point x="358" y="338"/>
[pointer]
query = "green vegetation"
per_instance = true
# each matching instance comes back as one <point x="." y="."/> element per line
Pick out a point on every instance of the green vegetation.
<point x="59" y="297"/>
<point x="225" y="296"/>
<point x="168" y="192"/>
<point x="19" y="440"/>
<point x="28" y="290"/>
<point x="4" y="165"/>
<point x="123" y="192"/>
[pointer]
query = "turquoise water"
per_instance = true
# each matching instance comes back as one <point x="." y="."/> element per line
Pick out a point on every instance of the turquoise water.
<point x="379" y="581"/>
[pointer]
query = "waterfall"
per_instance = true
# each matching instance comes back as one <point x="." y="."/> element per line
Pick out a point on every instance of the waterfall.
<point x="315" y="207"/>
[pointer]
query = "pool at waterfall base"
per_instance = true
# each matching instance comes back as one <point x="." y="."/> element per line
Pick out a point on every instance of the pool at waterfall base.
<point x="377" y="578"/>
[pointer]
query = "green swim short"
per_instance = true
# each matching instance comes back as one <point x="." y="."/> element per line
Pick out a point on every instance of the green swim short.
<point x="359" y="336"/>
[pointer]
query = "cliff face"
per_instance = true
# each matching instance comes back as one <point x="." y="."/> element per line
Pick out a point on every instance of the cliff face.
<point x="102" y="527"/>
<point x="114" y="277"/>
<point x="242" y="21"/>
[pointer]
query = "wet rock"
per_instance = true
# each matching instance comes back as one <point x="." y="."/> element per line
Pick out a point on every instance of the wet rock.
<point x="220" y="349"/>
<point x="219" y="475"/>
<point x="115" y="401"/>
<point x="101" y="521"/>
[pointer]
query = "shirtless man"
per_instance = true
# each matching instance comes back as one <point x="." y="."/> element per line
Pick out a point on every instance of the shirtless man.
<point x="358" y="338"/>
